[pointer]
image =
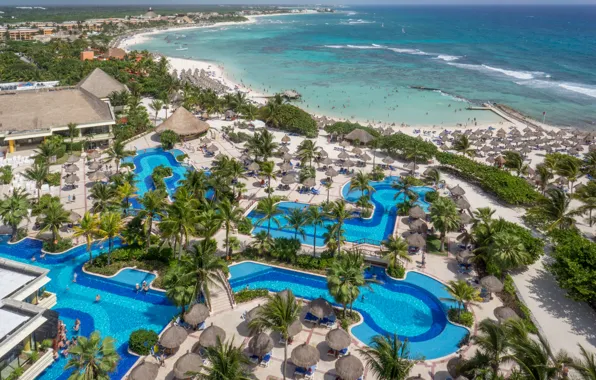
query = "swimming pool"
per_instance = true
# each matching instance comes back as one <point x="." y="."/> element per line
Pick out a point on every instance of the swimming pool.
<point x="121" y="310"/>
<point x="413" y="308"/>
<point x="374" y="230"/>
<point x="130" y="277"/>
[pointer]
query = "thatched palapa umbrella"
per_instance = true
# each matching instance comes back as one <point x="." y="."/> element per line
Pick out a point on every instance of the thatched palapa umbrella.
<point x="416" y="212"/>
<point x="505" y="313"/>
<point x="492" y="284"/>
<point x="72" y="159"/>
<point x="295" y="328"/>
<point x="331" y="172"/>
<point x="144" y="371"/>
<point x="349" y="368"/>
<point x="419" y="226"/>
<point x="360" y="135"/>
<point x="287" y="156"/>
<point x="285" y="139"/>
<point x="285" y="166"/>
<point x="212" y="148"/>
<point x="453" y="366"/>
<point x="465" y="218"/>
<point x="357" y="151"/>
<point x="464" y="257"/>
<point x="209" y="336"/>
<point x="197" y="314"/>
<point x="344" y="143"/>
<point x="320" y="308"/>
<point x="254" y="167"/>
<point x="94" y="166"/>
<point x="253" y="313"/>
<point x="411" y="166"/>
<point x="457" y="191"/>
<point x="260" y="344"/>
<point x="71" y="179"/>
<point x="343" y="156"/>
<point x="462" y="203"/>
<point x="72" y="168"/>
<point x="94" y="155"/>
<point x="283" y="149"/>
<point x="416" y="240"/>
<point x="183" y="123"/>
<point x="188" y="364"/>
<point x="338" y="339"/>
<point x="97" y="176"/>
<point x="305" y="356"/>
<point x="388" y="160"/>
<point x="173" y="337"/>
<point x="326" y="161"/>
<point x="288" y="179"/>
<point x="309" y="182"/>
<point x="365" y="157"/>
<point x="74" y="217"/>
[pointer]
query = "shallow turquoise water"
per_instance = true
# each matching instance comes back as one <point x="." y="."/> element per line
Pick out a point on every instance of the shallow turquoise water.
<point x="360" y="61"/>
<point x="412" y="308"/>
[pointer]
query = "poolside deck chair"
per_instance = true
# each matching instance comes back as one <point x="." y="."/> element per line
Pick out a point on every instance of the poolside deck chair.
<point x="344" y="352"/>
<point x="254" y="359"/>
<point x="266" y="360"/>
<point x="311" y="318"/>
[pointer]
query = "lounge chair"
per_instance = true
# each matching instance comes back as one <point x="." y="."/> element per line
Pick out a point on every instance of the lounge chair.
<point x="344" y="352"/>
<point x="311" y="318"/>
<point x="266" y="360"/>
<point x="254" y="359"/>
<point x="201" y="326"/>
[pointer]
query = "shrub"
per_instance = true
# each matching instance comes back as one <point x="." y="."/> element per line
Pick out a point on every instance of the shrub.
<point x="53" y="179"/>
<point x="246" y="295"/>
<point x="313" y="263"/>
<point x="46" y="343"/>
<point x="465" y="318"/>
<point x="292" y="119"/>
<point x="168" y="139"/>
<point x="18" y="372"/>
<point x="431" y="196"/>
<point x="181" y="157"/>
<point x="34" y="356"/>
<point x="401" y="145"/>
<point x="510" y="189"/>
<point x="61" y="246"/>
<point x="159" y="173"/>
<point x="345" y="127"/>
<point x="76" y="147"/>
<point x="5" y="175"/>
<point x="238" y="137"/>
<point x="285" y="249"/>
<point x="141" y="341"/>
<point x="245" y="226"/>
<point x="396" y="271"/>
<point x="127" y="165"/>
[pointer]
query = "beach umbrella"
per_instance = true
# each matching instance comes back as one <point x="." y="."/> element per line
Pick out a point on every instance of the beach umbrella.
<point x="338" y="339"/>
<point x="349" y="367"/>
<point x="72" y="168"/>
<point x="212" y="148"/>
<point x="74" y="217"/>
<point x="94" y="154"/>
<point x="260" y="344"/>
<point x="94" y="166"/>
<point x="465" y="218"/>
<point x="331" y="172"/>
<point x="287" y="157"/>
<point x="187" y="364"/>
<point x="295" y="328"/>
<point x="323" y="153"/>
<point x="210" y="335"/>
<point x="388" y="160"/>
<point x="173" y="337"/>
<point x="285" y="166"/>
<point x="326" y="161"/>
<point x="357" y="151"/>
<point x="365" y="157"/>
<point x="492" y="284"/>
<point x="254" y="167"/>
<point x="205" y="141"/>
<point x="72" y="159"/>
<point x="416" y="212"/>
<point x="416" y="240"/>
<point x="320" y="308"/>
<point x="253" y="313"/>
<point x="197" y="314"/>
<point x="245" y="157"/>
<point x="419" y="226"/>
<point x="343" y="156"/>
<point x="453" y="366"/>
<point x="500" y="160"/>
<point x="285" y="139"/>
<point x="505" y="313"/>
<point x="305" y="356"/>
<point x="283" y="149"/>
<point x="462" y="203"/>
<point x="144" y="371"/>
<point x="309" y="182"/>
<point x="444" y="147"/>
<point x="348" y="163"/>
<point x="486" y="149"/>
<point x="344" y="143"/>
<point x="464" y="257"/>
<point x="96" y="176"/>
<point x="360" y="135"/>
<point x="457" y="191"/>
<point x="288" y="179"/>
<point x="526" y="150"/>
<point x="71" y="179"/>
<point x="411" y="166"/>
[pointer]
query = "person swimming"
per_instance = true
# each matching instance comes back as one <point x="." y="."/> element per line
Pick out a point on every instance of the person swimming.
<point x="137" y="287"/>
<point x="97" y="298"/>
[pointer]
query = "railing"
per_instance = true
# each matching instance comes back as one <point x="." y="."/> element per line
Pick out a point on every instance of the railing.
<point x="229" y="291"/>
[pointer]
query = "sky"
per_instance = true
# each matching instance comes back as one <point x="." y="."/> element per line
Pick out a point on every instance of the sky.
<point x="287" y="2"/>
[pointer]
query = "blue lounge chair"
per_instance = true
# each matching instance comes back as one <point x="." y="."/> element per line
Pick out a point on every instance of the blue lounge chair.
<point x="266" y="360"/>
<point x="311" y="318"/>
<point x="344" y="352"/>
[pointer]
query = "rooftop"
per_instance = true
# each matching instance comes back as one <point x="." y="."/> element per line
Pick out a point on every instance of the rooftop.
<point x="101" y="84"/>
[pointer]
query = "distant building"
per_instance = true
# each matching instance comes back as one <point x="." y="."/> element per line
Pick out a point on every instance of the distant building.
<point x="116" y="53"/>
<point x="87" y="55"/>
<point x="150" y="14"/>
<point x="26" y="318"/>
<point x="183" y="20"/>
<point x="47" y="30"/>
<point x="22" y="34"/>
<point x="100" y="84"/>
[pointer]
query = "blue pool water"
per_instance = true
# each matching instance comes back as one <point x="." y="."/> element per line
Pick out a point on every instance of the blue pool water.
<point x="413" y="308"/>
<point x="373" y="230"/>
<point x="131" y="277"/>
<point x="120" y="312"/>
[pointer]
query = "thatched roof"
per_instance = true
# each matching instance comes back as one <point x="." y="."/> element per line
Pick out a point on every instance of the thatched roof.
<point x="505" y="313"/>
<point x="338" y="339"/>
<point x="260" y="344"/>
<point x="305" y="355"/>
<point x="360" y="135"/>
<point x="173" y="337"/>
<point x="320" y="308"/>
<point x="197" y="314"/>
<point x="457" y="191"/>
<point x="253" y="313"/>
<point x="144" y="371"/>
<point x="100" y="84"/>
<point x="209" y="336"/>
<point x="186" y="364"/>
<point x="492" y="284"/>
<point x="183" y="123"/>
<point x="416" y="240"/>
<point x="462" y="203"/>
<point x="349" y="368"/>
<point x="295" y="328"/>
<point x="417" y="212"/>
<point x="464" y="257"/>
<point x="419" y="226"/>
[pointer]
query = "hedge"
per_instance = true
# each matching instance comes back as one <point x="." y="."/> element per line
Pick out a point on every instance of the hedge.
<point x="399" y="144"/>
<point x="246" y="295"/>
<point x="511" y="189"/>
<point x="345" y="127"/>
<point x="292" y="119"/>
<point x="141" y="341"/>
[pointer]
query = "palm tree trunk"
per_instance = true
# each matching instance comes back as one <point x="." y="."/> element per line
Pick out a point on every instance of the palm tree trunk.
<point x="339" y="239"/>
<point x="285" y="357"/>
<point x="150" y="220"/>
<point x="269" y="227"/>
<point x="228" y="253"/>
<point x="442" y="241"/>
<point x="328" y="190"/>
<point x="38" y="192"/>
<point x="109" y="251"/>
<point x="314" y="242"/>
<point x="15" y="228"/>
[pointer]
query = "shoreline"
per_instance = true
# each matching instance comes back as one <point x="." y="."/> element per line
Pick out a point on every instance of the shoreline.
<point x="218" y="73"/>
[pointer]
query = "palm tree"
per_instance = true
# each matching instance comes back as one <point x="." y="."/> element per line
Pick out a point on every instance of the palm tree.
<point x="92" y="358"/>
<point x="464" y="146"/>
<point x="404" y="186"/>
<point x="235" y="170"/>
<point x="125" y="192"/>
<point x="554" y="210"/>
<point x="262" y="242"/>
<point x="104" y="198"/>
<point x="278" y="314"/>
<point x="515" y="161"/>
<point x="154" y="203"/>
<point x="179" y="289"/>
<point x="340" y="213"/>
<point x="395" y="250"/>
<point x="156" y="105"/>
<point x="328" y="184"/>
<point x="52" y="219"/>
<point x="117" y="152"/>
<point x="307" y="151"/>
<point x="462" y="293"/>
<point x="227" y="362"/>
<point x="432" y="176"/>
<point x="589" y="164"/>
<point x="230" y="215"/>
<point x="268" y="208"/>
<point x="110" y="227"/>
<point x="345" y="277"/>
<point x="46" y="150"/>
<point x="570" y="168"/>
<point x="586" y="367"/>
<point x="533" y="357"/>
<point x="493" y="343"/>
<point x="72" y="132"/>
<point x="361" y="181"/>
<point x="587" y="195"/>
<point x="482" y="215"/>
<point x="445" y="218"/>
<point x="543" y="175"/>
<point x="297" y="219"/>
<point x="180" y="221"/>
<point x="507" y="252"/>
<point x="196" y="183"/>
<point x="14" y="209"/>
<point x="388" y="358"/>
<point x="267" y="169"/>
<point x="38" y="173"/>
<point x="88" y="229"/>
<point x="315" y="217"/>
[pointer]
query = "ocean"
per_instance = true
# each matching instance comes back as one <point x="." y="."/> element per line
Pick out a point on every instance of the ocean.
<point x="362" y="62"/>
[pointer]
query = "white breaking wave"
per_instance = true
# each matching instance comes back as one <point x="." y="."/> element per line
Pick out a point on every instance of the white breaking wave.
<point x="523" y="75"/>
<point x="448" y="58"/>
<point x="409" y="51"/>
<point x="356" y="22"/>
<point x="589" y="91"/>
<point x="576" y="88"/>
<point x="380" y="47"/>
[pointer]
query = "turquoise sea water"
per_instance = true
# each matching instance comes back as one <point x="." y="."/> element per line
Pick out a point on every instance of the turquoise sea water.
<point x="535" y="59"/>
